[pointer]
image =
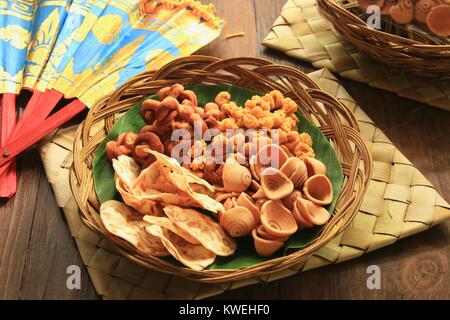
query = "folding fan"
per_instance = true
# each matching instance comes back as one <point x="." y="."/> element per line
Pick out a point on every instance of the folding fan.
<point x="99" y="45"/>
<point x="15" y="26"/>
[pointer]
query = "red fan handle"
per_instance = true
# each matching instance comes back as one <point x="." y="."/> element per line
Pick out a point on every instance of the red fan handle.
<point x="39" y="130"/>
<point x="8" y="182"/>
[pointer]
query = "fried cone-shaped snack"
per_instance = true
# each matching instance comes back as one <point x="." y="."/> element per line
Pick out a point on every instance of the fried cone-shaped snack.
<point x="208" y="232"/>
<point x="122" y="221"/>
<point x="193" y="256"/>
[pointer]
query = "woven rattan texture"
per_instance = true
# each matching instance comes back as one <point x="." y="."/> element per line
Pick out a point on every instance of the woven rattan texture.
<point x="303" y="33"/>
<point x="399" y="202"/>
<point x="415" y="56"/>
<point x="335" y="121"/>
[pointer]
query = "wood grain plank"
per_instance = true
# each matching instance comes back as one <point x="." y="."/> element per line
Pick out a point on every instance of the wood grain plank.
<point x="267" y="291"/>
<point x="266" y="11"/>
<point x="16" y="221"/>
<point x="413" y="268"/>
<point x="51" y="251"/>
<point x="35" y="243"/>
<point x="36" y="247"/>
<point x="240" y="17"/>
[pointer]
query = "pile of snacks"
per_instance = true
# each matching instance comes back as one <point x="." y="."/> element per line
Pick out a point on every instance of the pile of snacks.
<point x="256" y="174"/>
<point x="278" y="201"/>
<point x="435" y="14"/>
<point x="177" y="109"/>
<point x="158" y="216"/>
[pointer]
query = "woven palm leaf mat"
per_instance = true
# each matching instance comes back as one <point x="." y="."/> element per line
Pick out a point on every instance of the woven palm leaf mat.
<point x="399" y="202"/>
<point x="301" y="32"/>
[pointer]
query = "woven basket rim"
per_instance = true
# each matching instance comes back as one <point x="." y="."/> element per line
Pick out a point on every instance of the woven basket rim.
<point x="361" y="23"/>
<point x="401" y="53"/>
<point x="338" y="124"/>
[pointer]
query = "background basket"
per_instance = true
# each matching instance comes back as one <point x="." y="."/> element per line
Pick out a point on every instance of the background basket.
<point x="333" y="119"/>
<point x="414" y="55"/>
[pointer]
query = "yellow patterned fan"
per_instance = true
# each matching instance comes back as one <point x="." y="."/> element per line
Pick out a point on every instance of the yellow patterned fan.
<point x="83" y="50"/>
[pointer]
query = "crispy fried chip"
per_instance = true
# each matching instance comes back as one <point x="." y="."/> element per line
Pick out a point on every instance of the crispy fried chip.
<point x="146" y="201"/>
<point x="127" y="170"/>
<point x="120" y="220"/>
<point x="163" y="181"/>
<point x="152" y="180"/>
<point x="208" y="232"/>
<point x="166" y="223"/>
<point x="193" y="256"/>
<point x="184" y="180"/>
<point x="176" y="170"/>
<point x="141" y="204"/>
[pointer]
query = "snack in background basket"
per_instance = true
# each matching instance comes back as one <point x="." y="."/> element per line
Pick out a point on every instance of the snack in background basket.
<point x="431" y="14"/>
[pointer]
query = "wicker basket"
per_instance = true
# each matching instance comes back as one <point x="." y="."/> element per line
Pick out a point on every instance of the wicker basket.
<point x="412" y="55"/>
<point x="334" y="120"/>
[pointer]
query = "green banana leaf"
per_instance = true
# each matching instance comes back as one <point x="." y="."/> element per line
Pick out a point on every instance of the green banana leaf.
<point x="245" y="254"/>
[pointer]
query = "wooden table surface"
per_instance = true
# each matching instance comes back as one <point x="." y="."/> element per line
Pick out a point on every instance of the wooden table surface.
<point x="36" y="247"/>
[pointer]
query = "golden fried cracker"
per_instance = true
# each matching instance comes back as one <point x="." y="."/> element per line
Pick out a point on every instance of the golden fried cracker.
<point x="141" y="204"/>
<point x="166" y="223"/>
<point x="145" y="193"/>
<point x="163" y="181"/>
<point x="127" y="170"/>
<point x="183" y="179"/>
<point x="208" y="232"/>
<point x="193" y="256"/>
<point x="119" y="219"/>
<point x="176" y="169"/>
<point x="151" y="180"/>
